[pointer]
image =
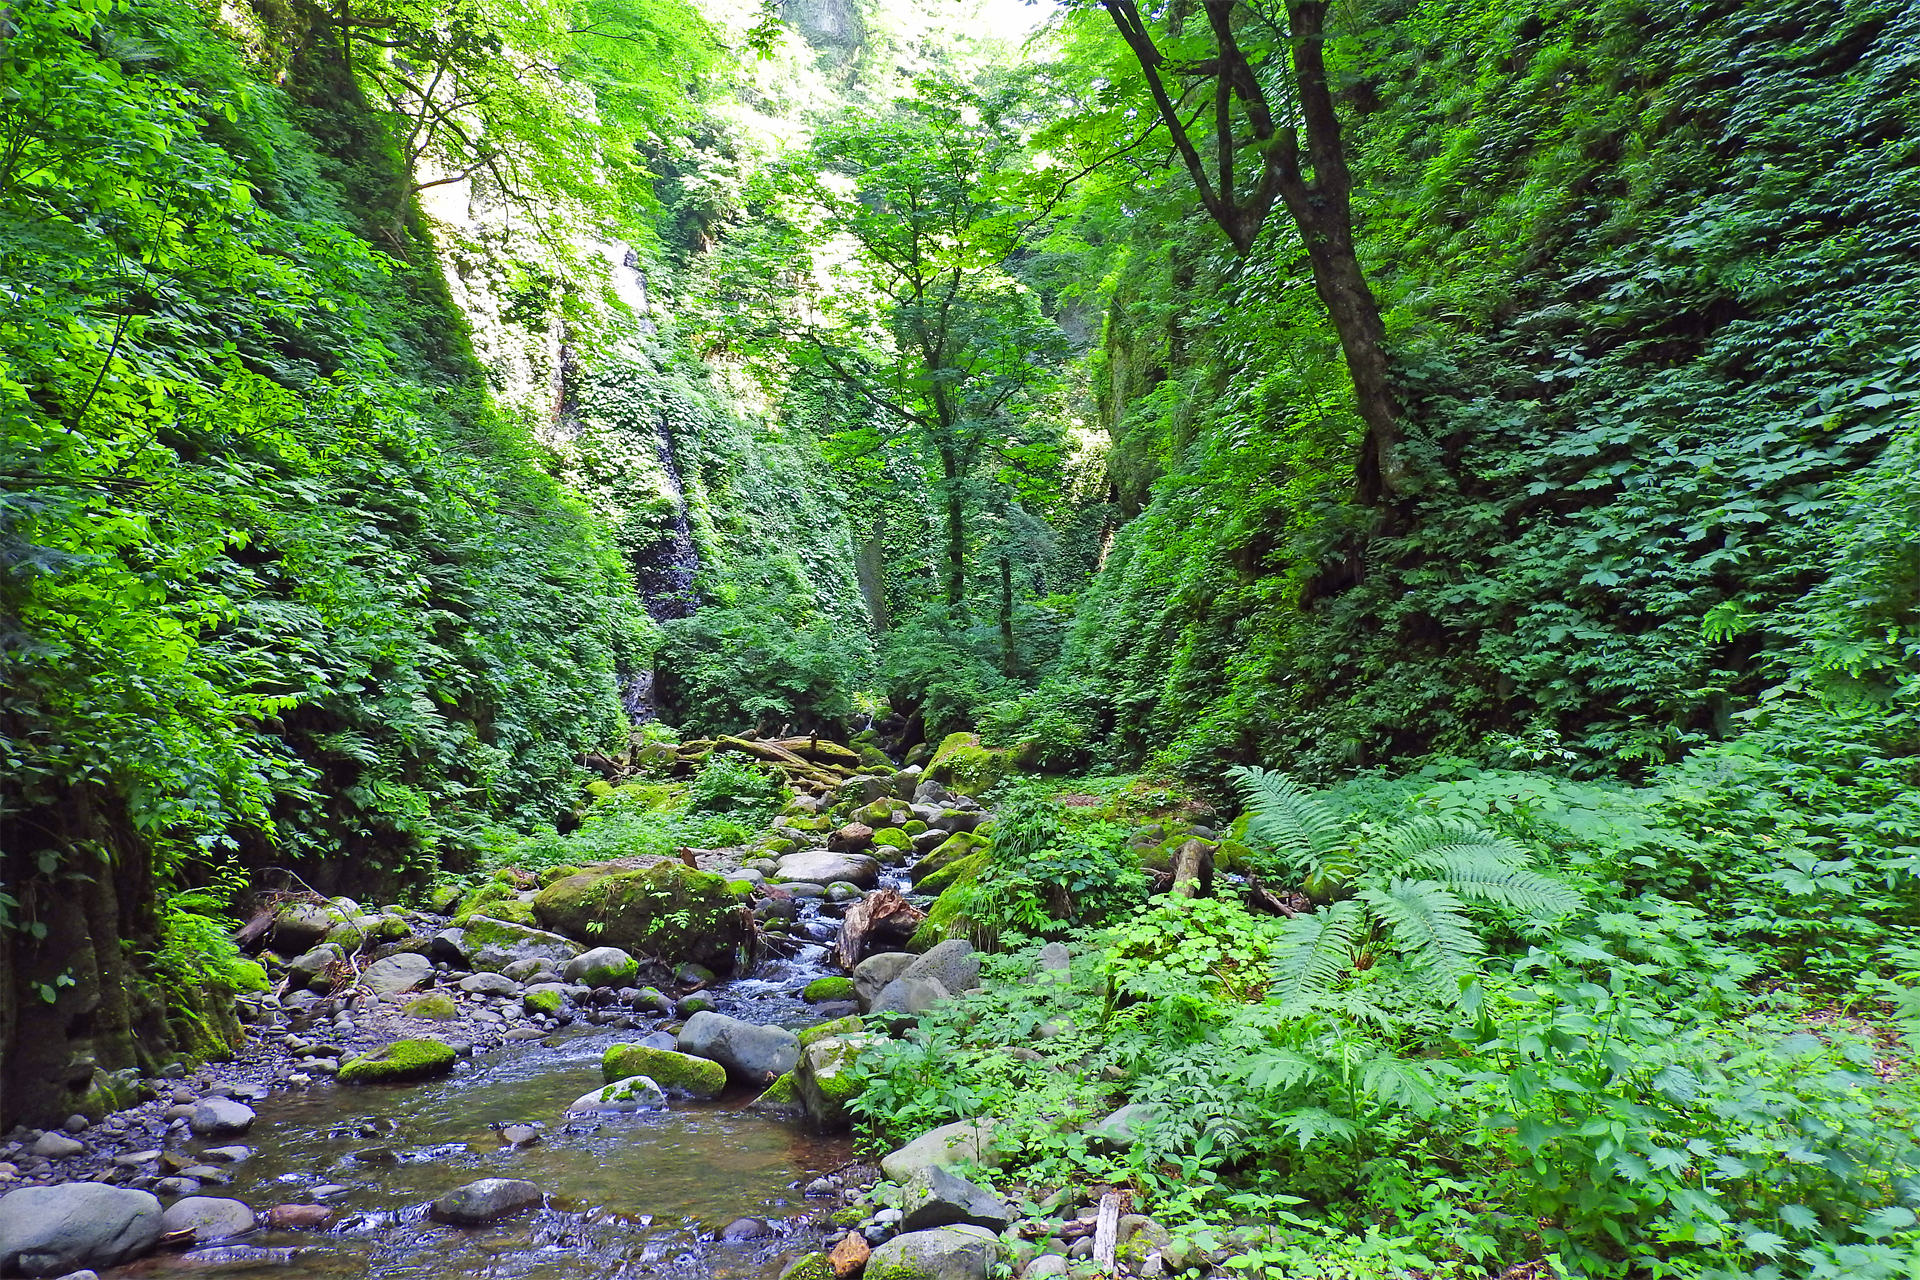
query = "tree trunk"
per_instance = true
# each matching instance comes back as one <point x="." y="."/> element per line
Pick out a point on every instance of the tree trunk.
<point x="956" y="530"/>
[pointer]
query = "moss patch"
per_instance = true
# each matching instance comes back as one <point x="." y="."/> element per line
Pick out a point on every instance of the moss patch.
<point x="541" y="1002"/>
<point x="946" y="918"/>
<point x="821" y="990"/>
<point x="437" y="1006"/>
<point x="674" y="1072"/>
<point x="810" y="1266"/>
<point x="847" y="1026"/>
<point x="400" y="1061"/>
<point x="892" y="838"/>
<point x="778" y="1100"/>
<point x="960" y="871"/>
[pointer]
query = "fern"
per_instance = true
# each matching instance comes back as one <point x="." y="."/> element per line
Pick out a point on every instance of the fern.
<point x="1431" y="928"/>
<point x="1285" y="817"/>
<point x="1313" y="953"/>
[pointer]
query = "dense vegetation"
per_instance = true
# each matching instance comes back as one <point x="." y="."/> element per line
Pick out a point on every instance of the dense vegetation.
<point x="1496" y="420"/>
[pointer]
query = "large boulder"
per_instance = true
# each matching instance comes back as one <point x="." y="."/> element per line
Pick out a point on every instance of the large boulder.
<point x="819" y="866"/>
<point x="300" y="925"/>
<point x="963" y="765"/>
<point x="666" y="910"/>
<point x="938" y="1197"/>
<point x="908" y="995"/>
<point x="963" y="1142"/>
<point x="823" y="1081"/>
<point x="50" y="1231"/>
<point x="492" y="944"/>
<point x="397" y="974"/>
<point x="943" y="1253"/>
<point x="484" y="1201"/>
<point x="871" y="975"/>
<point x="747" y="1050"/>
<point x="207" y="1218"/>
<point x="954" y="964"/>
<point x="948" y="851"/>
<point x="673" y="1071"/>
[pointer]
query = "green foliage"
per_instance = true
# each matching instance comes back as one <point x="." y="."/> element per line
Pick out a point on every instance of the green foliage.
<point x="742" y="789"/>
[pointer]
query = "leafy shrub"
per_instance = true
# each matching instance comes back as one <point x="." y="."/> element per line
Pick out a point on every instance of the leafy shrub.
<point x="739" y="788"/>
<point x="726" y="667"/>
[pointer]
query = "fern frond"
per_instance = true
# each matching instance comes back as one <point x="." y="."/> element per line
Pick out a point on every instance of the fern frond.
<point x="1398" y="1082"/>
<point x="1309" y="1125"/>
<point x="1283" y="1069"/>
<point x="1415" y="847"/>
<point x="1285" y="817"/>
<point x="1431" y="929"/>
<point x="1517" y="888"/>
<point x="1313" y="952"/>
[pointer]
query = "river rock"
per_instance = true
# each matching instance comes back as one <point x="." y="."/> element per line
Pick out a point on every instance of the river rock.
<point x="822" y="1081"/>
<point x="909" y="995"/>
<point x="748" y="1051"/>
<point x="484" y="1201"/>
<point x="449" y="947"/>
<point x="672" y="1070"/>
<point x="943" y="1253"/>
<point x="489" y="984"/>
<point x="207" y="1218"/>
<point x="396" y="975"/>
<point x="1054" y="958"/>
<point x="299" y="1217"/>
<point x="741" y="1229"/>
<point x="307" y="967"/>
<point x="220" y="1118"/>
<point x="53" y="1145"/>
<point x="871" y="975"/>
<point x="954" y="964"/>
<point x="849" y="1257"/>
<point x="821" y="867"/>
<point x="1048" y="1266"/>
<point x="403" y="1060"/>
<point x="938" y="1197"/>
<point x="963" y="1142"/>
<point x="603" y="967"/>
<point x="49" y="1231"/>
<point x="665" y="909"/>
<point x="635" y="1093"/>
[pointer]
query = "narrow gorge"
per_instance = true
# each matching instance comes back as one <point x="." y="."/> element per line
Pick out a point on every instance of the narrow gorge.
<point x="960" y="639"/>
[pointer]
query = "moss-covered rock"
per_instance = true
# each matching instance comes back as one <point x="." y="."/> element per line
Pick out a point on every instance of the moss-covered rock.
<point x="880" y="813"/>
<point x="892" y="838"/>
<point x="946" y="853"/>
<point x="400" y="1061"/>
<point x="438" y="1006"/>
<point x="541" y="1002"/>
<point x="552" y="874"/>
<point x="666" y="910"/>
<point x="497" y="899"/>
<point x="964" y="871"/>
<point x="824" y="1080"/>
<point x="962" y="764"/>
<point x="493" y="944"/>
<point x="850" y="1025"/>
<point x="778" y="1100"/>
<point x="821" y="990"/>
<point x="809" y="1266"/>
<point x="675" y="1072"/>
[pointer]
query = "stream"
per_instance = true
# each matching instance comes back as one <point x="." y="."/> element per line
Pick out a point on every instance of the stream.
<point x="640" y="1194"/>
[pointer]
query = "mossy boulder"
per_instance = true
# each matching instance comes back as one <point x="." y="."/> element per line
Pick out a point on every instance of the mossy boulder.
<point x="439" y="1007"/>
<point x="541" y="1002"/>
<point x="666" y="910"/>
<point x="962" y="764"/>
<point x="851" y="1025"/>
<point x="963" y="871"/>
<point x="680" y="1073"/>
<point x="492" y="944"/>
<point x="824" y="1081"/>
<point x="880" y="813"/>
<point x="809" y="1266"/>
<point x="945" y="854"/>
<point x="401" y="1061"/>
<point x="892" y="838"/>
<point x="821" y="990"/>
<point x="490" y="899"/>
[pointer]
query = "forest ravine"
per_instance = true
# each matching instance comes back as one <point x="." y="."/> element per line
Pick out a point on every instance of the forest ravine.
<point x="952" y="641"/>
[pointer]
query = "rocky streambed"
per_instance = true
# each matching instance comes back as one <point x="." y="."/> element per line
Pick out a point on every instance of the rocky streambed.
<point x="430" y="1094"/>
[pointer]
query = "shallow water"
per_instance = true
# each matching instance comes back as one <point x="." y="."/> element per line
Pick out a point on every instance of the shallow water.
<point x="641" y="1194"/>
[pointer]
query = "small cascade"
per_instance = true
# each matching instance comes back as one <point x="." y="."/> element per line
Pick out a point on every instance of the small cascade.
<point x="665" y="572"/>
